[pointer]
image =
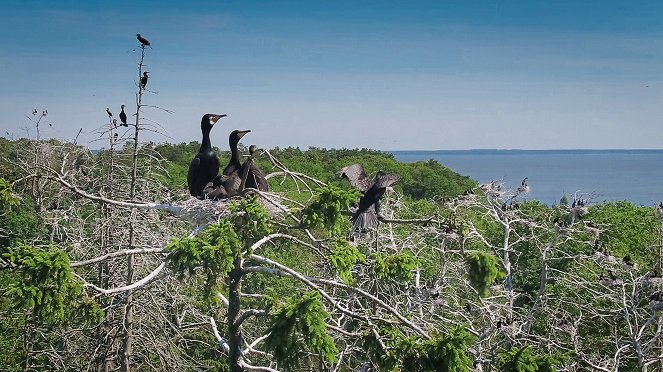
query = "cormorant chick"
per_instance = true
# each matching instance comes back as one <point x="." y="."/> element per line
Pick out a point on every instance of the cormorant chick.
<point x="143" y="41"/>
<point x="205" y="166"/>
<point x="143" y="79"/>
<point x="123" y="118"/>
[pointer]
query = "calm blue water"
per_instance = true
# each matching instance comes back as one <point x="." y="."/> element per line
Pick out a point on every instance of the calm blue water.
<point x="633" y="175"/>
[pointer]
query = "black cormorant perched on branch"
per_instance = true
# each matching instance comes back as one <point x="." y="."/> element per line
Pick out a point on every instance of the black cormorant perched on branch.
<point x="235" y="169"/>
<point x="123" y="118"/>
<point x="108" y="111"/>
<point x="143" y="41"/>
<point x="373" y="190"/>
<point x="205" y="166"/>
<point x="143" y="79"/>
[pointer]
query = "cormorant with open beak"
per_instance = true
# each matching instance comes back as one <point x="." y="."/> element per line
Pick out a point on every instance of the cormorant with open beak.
<point x="143" y="41"/>
<point x="143" y="79"/>
<point x="123" y="117"/>
<point x="205" y="166"/>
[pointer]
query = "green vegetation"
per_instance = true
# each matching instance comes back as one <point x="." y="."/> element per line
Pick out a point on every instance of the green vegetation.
<point x="450" y="281"/>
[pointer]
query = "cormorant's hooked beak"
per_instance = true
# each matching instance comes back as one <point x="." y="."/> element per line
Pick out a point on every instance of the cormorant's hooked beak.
<point x="242" y="133"/>
<point x="214" y="118"/>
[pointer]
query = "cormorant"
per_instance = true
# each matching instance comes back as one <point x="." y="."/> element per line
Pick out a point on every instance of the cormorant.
<point x="252" y="149"/>
<point x="363" y="216"/>
<point x="659" y="209"/>
<point x="235" y="169"/>
<point x="110" y="114"/>
<point x="143" y="41"/>
<point x="123" y="117"/>
<point x="523" y="186"/>
<point x="205" y="166"/>
<point x="235" y="163"/>
<point x="114" y="123"/>
<point x="143" y="79"/>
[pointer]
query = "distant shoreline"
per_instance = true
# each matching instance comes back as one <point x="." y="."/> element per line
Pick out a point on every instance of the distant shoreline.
<point x="521" y="151"/>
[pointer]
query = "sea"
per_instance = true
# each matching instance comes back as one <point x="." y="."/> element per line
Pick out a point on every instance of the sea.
<point x="598" y="175"/>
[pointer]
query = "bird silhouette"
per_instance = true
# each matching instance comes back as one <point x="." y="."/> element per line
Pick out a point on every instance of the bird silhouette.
<point x="523" y="188"/>
<point x="110" y="114"/>
<point x="143" y="79"/>
<point x="365" y="217"/>
<point x="143" y="41"/>
<point x="205" y="165"/>
<point x="123" y="117"/>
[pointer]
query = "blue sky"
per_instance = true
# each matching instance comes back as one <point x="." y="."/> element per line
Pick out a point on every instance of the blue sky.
<point x="379" y="74"/>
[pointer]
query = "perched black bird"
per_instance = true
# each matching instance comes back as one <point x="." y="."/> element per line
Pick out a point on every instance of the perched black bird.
<point x="123" y="117"/>
<point x="114" y="123"/>
<point x="231" y="178"/>
<point x="110" y="114"/>
<point x="143" y="79"/>
<point x="235" y="163"/>
<point x="205" y="166"/>
<point x="364" y="217"/>
<point x="143" y="41"/>
<point x="255" y="179"/>
<point x="235" y="169"/>
<point x="523" y="186"/>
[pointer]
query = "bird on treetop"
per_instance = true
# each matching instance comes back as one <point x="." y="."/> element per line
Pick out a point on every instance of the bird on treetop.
<point x="123" y="117"/>
<point x="143" y="79"/>
<point x="110" y="114"/>
<point x="143" y="41"/>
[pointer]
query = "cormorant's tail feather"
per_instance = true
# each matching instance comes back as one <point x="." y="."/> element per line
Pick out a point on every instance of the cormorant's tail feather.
<point x="364" y="222"/>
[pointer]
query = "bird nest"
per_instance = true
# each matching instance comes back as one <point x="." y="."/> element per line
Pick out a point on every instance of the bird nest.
<point x="207" y="209"/>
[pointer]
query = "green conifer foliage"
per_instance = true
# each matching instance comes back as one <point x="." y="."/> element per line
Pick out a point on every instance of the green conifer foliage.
<point x="325" y="210"/>
<point x="47" y="285"/>
<point x="298" y="326"/>
<point x="344" y="258"/>
<point x="445" y="353"/>
<point x="483" y="271"/>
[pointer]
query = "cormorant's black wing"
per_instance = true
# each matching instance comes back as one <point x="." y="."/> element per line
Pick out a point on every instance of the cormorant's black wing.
<point x="386" y="180"/>
<point x="256" y="179"/>
<point x="194" y="169"/>
<point x="357" y="177"/>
